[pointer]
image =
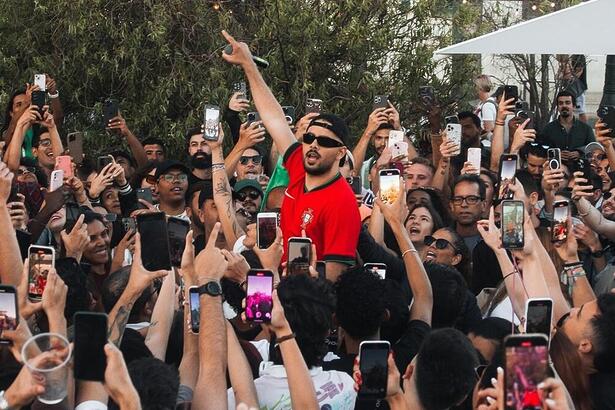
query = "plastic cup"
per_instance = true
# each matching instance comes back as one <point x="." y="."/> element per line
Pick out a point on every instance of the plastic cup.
<point x="46" y="355"/>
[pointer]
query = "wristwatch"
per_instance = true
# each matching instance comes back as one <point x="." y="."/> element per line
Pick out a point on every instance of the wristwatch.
<point x="4" y="405"/>
<point x="210" y="288"/>
<point x="598" y="254"/>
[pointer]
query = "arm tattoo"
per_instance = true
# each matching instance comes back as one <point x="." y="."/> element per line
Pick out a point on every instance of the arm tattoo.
<point x="149" y="330"/>
<point x="116" y="331"/>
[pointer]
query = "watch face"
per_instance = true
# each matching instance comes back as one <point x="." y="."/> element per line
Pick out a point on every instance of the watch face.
<point x="213" y="288"/>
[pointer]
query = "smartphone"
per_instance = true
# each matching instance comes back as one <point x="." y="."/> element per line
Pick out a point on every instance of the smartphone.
<point x="266" y="226"/>
<point x="110" y="111"/>
<point x="538" y="316"/>
<point x="56" y="180"/>
<point x="606" y="113"/>
<point x="299" y="255"/>
<point x="373" y="364"/>
<point x="253" y="117"/>
<point x="389" y="185"/>
<point x="526" y="365"/>
<point x="89" y="345"/>
<point x="584" y="166"/>
<point x="313" y="105"/>
<point x="427" y="95"/>
<point x="554" y="158"/>
<point x="240" y="87"/>
<point x="526" y="115"/>
<point x="395" y="136"/>
<point x="146" y="195"/>
<point x="474" y="157"/>
<point x="355" y="184"/>
<point x="380" y="101"/>
<point x="14" y="191"/>
<point x="211" y="122"/>
<point x="153" y="228"/>
<point x="258" y="295"/>
<point x="559" y="225"/>
<point x="74" y="142"/>
<point x="289" y="112"/>
<point x="104" y="160"/>
<point x="512" y="224"/>
<point x="40" y="260"/>
<point x="64" y="162"/>
<point x="451" y="119"/>
<point x="41" y="81"/>
<point x="177" y="229"/>
<point x="453" y="133"/>
<point x="195" y="309"/>
<point x="511" y="91"/>
<point x="399" y="149"/>
<point x="73" y="211"/>
<point x="379" y="268"/>
<point x="508" y="169"/>
<point x="9" y="317"/>
<point x="39" y="100"/>
<point x="321" y="268"/>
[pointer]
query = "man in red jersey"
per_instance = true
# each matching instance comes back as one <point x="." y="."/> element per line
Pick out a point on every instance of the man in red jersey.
<point x="318" y="200"/>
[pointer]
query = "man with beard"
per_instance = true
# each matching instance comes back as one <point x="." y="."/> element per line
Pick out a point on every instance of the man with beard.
<point x="318" y="200"/>
<point x="567" y="132"/>
<point x="248" y="195"/>
<point x="250" y="164"/>
<point x="172" y="185"/>
<point x="200" y="156"/>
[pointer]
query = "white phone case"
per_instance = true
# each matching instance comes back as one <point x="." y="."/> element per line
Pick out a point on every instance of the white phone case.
<point x="41" y="81"/>
<point x="57" y="180"/>
<point x="395" y="136"/>
<point x="453" y="133"/>
<point x="474" y="157"/>
<point x="399" y="149"/>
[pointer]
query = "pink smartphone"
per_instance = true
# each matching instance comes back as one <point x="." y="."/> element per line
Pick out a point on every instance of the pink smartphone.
<point x="64" y="162"/>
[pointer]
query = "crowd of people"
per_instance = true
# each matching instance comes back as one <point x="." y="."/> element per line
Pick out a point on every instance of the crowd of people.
<point x="452" y="291"/>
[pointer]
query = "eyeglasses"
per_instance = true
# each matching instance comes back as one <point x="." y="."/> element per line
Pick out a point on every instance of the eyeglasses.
<point x="150" y="179"/>
<point x="470" y="199"/>
<point x="256" y="160"/>
<point x="242" y="196"/>
<point x="439" y="243"/>
<point x="26" y="170"/>
<point x="173" y="178"/>
<point x="599" y="157"/>
<point x="324" y="142"/>
<point x="44" y="143"/>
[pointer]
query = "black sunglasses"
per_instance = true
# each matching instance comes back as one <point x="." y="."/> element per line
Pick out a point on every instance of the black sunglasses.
<point x="439" y="243"/>
<point x="241" y="196"/>
<point x="324" y="142"/>
<point x="256" y="159"/>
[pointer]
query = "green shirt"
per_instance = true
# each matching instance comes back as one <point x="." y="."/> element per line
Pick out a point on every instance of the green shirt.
<point x="556" y="136"/>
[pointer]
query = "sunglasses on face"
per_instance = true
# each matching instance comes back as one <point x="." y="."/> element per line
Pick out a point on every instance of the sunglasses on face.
<point x="324" y="142"/>
<point x="173" y="178"/>
<point x="253" y="195"/>
<point x="599" y="157"/>
<point x="26" y="170"/>
<point x="256" y="160"/>
<point x="438" y="243"/>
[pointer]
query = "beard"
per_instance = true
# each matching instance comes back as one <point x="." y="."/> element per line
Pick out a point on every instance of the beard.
<point x="319" y="169"/>
<point x="201" y="160"/>
<point x="565" y="113"/>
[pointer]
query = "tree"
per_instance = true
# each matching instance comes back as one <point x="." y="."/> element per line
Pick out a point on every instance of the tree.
<point x="160" y="58"/>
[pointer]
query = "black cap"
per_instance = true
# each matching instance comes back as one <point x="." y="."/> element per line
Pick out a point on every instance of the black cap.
<point x="207" y="192"/>
<point x="164" y="166"/>
<point x="334" y="124"/>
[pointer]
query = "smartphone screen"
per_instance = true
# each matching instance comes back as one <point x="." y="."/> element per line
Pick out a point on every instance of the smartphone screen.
<point x="41" y="259"/>
<point x="90" y="340"/>
<point x="195" y="309"/>
<point x="512" y="224"/>
<point x="299" y="254"/>
<point x="177" y="229"/>
<point x="267" y="222"/>
<point x="8" y="309"/>
<point x="211" y="122"/>
<point x="378" y="268"/>
<point x="508" y="169"/>
<point x="258" y="295"/>
<point x="526" y="367"/>
<point x="155" y="245"/>
<point x="389" y="185"/>
<point x="538" y="316"/>
<point x="559" y="226"/>
<point x="374" y="368"/>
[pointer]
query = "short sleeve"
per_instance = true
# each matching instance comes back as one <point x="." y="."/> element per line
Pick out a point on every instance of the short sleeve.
<point x="488" y="111"/>
<point x="293" y="162"/>
<point x="341" y="232"/>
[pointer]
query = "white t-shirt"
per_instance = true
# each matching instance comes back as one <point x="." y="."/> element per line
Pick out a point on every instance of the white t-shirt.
<point x="333" y="388"/>
<point x="487" y="111"/>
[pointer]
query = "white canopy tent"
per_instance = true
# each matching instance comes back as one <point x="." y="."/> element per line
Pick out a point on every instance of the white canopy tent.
<point x="587" y="28"/>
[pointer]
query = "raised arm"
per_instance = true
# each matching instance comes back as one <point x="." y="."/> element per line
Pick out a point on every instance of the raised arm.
<point x="12" y="155"/>
<point x="11" y="264"/>
<point x="119" y="123"/>
<point x="590" y="215"/>
<point x="375" y="120"/>
<point x="395" y="214"/>
<point x="210" y="392"/>
<point x="239" y="371"/>
<point x="603" y="136"/>
<point x="249" y="135"/>
<point x="268" y="107"/>
<point x="49" y="123"/>
<point x="505" y="108"/>
<point x="158" y="332"/>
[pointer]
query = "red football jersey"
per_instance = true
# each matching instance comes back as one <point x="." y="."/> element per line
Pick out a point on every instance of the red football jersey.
<point x="329" y="213"/>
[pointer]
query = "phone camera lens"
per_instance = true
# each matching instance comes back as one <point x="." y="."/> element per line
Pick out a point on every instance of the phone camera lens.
<point x="554" y="164"/>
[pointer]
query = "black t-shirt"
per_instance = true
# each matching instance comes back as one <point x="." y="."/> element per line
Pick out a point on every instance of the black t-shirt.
<point x="409" y="344"/>
<point x="602" y="387"/>
<point x="578" y="61"/>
